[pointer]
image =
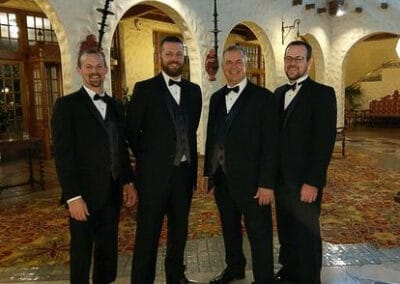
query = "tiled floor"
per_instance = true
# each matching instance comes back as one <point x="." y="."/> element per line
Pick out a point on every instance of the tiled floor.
<point x="343" y="264"/>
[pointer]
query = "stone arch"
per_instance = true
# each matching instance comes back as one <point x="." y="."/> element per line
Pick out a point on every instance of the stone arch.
<point x="267" y="51"/>
<point x="62" y="38"/>
<point x="353" y="44"/>
<point x="318" y="57"/>
<point x="184" y="25"/>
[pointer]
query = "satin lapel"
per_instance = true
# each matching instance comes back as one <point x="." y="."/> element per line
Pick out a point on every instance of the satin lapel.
<point x="166" y="95"/>
<point x="92" y="108"/>
<point x="295" y="101"/>
<point x="185" y="101"/>
<point x="238" y="105"/>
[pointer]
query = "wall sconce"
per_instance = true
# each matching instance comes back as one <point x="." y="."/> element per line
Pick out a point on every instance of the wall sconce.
<point x="384" y="5"/>
<point x="296" y="24"/>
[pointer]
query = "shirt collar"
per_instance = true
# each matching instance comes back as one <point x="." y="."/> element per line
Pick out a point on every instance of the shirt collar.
<point x="166" y="78"/>
<point x="91" y="93"/>
<point x="241" y="85"/>
<point x="300" y="80"/>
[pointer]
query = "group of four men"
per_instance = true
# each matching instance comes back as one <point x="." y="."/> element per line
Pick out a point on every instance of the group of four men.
<point x="259" y="146"/>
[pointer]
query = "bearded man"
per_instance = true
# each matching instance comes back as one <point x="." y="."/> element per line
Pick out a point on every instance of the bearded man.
<point x="162" y="120"/>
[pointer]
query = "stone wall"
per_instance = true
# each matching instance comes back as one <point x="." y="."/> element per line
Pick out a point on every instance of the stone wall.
<point x="332" y="37"/>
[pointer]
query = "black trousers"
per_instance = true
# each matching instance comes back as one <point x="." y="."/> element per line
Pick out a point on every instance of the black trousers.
<point x="154" y="204"/>
<point x="258" y="223"/>
<point x="299" y="234"/>
<point x="98" y="235"/>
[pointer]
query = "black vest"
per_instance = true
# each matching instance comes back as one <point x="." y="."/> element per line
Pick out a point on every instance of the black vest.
<point x="181" y="129"/>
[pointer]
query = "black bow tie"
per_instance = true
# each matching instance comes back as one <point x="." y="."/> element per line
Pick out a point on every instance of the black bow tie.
<point x="292" y="86"/>
<point x="234" y="89"/>
<point x="172" y="82"/>
<point x="104" y="98"/>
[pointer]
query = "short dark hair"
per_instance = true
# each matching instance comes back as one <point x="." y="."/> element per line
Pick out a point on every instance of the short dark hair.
<point x="91" y="51"/>
<point x="301" y="43"/>
<point x="171" y="39"/>
<point x="235" y="47"/>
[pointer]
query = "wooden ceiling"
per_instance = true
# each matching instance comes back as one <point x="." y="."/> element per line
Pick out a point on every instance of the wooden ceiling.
<point x="155" y="14"/>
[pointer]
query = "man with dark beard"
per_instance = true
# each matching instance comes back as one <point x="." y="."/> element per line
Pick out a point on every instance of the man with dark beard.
<point x="162" y="120"/>
<point x="307" y="137"/>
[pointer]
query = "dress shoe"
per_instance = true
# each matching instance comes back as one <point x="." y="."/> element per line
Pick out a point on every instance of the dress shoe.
<point x="183" y="280"/>
<point x="227" y="276"/>
<point x="282" y="277"/>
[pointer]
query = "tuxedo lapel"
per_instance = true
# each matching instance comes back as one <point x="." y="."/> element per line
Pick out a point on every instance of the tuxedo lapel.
<point x="294" y="102"/>
<point x="238" y="105"/>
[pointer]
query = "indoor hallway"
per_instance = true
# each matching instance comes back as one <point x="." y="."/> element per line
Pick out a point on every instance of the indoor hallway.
<point x="357" y="263"/>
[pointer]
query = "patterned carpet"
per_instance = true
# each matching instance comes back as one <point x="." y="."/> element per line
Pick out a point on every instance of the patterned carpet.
<point x="358" y="208"/>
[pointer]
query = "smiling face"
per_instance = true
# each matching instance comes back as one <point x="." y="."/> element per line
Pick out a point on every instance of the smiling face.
<point x="296" y="62"/>
<point x="234" y="66"/>
<point x="172" y="58"/>
<point x="93" y="71"/>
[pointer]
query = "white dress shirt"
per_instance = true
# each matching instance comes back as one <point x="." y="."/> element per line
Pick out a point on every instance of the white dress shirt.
<point x="232" y="97"/>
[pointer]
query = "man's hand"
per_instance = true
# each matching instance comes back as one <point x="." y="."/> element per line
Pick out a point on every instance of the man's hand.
<point x="264" y="195"/>
<point x="130" y="195"/>
<point x="308" y="193"/>
<point x="78" y="209"/>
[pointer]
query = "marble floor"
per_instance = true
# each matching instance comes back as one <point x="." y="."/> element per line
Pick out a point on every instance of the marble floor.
<point x="342" y="263"/>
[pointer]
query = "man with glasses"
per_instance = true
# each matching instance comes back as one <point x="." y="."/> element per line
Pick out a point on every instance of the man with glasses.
<point x="307" y="137"/>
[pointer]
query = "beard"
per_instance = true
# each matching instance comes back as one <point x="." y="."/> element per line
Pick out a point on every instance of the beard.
<point x="172" y="71"/>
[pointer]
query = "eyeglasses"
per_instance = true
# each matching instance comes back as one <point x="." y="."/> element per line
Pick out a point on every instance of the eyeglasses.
<point x="297" y="59"/>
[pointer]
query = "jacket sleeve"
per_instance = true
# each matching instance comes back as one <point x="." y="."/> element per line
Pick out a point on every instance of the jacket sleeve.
<point x="64" y="148"/>
<point x="324" y="135"/>
<point x="269" y="144"/>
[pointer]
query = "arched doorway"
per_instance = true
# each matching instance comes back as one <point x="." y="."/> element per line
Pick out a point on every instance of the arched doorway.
<point x="261" y="62"/>
<point x="372" y="69"/>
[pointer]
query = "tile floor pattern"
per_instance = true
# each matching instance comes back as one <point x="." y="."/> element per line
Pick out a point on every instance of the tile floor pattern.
<point x="342" y="263"/>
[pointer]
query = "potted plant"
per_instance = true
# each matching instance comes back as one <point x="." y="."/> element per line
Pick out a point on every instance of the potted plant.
<point x="352" y="94"/>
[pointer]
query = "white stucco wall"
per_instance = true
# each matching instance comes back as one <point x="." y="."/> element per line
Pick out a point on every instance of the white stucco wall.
<point x="331" y="37"/>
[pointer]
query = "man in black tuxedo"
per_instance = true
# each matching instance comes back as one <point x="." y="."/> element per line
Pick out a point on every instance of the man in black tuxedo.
<point x="92" y="164"/>
<point x="240" y="163"/>
<point x="162" y="120"/>
<point x="307" y="138"/>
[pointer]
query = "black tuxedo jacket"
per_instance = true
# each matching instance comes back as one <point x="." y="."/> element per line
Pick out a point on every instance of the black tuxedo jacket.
<point x="151" y="131"/>
<point x="308" y="132"/>
<point x="82" y="149"/>
<point x="251" y="142"/>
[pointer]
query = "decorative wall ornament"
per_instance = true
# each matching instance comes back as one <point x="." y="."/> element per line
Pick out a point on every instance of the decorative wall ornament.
<point x="211" y="63"/>
<point x="105" y="12"/>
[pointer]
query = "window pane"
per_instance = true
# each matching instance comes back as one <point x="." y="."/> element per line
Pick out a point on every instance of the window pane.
<point x="30" y="22"/>
<point x="3" y="18"/>
<point x="47" y="24"/>
<point x="39" y="22"/>
<point x="31" y="34"/>
<point x="4" y="32"/>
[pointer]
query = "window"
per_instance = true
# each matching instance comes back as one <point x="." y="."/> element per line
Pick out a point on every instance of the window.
<point x="40" y="30"/>
<point x="8" y="31"/>
<point x="10" y="92"/>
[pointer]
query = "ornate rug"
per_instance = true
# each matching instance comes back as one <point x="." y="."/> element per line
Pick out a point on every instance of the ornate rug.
<point x="358" y="208"/>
